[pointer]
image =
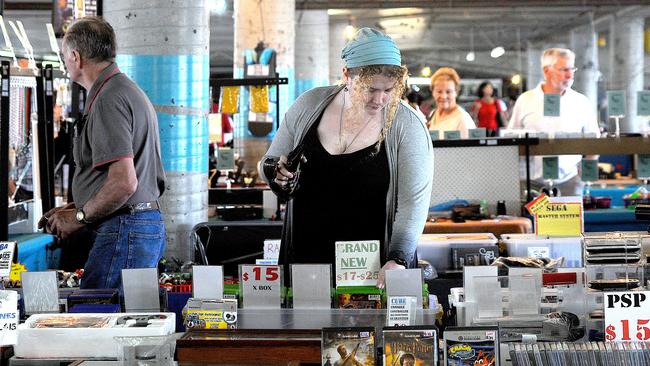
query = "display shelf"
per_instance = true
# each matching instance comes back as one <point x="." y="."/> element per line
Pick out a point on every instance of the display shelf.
<point x="590" y="146"/>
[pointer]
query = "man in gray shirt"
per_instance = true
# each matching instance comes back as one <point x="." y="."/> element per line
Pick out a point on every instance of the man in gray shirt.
<point x="119" y="174"/>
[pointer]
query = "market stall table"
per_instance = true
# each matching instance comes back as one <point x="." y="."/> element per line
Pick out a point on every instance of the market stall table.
<point x="511" y="225"/>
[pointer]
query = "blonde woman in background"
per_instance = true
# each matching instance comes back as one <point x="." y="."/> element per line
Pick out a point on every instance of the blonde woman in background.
<point x="448" y="116"/>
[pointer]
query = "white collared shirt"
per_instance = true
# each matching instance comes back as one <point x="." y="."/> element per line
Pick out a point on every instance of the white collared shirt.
<point x="577" y="114"/>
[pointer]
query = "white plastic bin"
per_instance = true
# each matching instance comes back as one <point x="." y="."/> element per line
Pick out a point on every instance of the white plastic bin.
<point x="437" y="248"/>
<point x="530" y="245"/>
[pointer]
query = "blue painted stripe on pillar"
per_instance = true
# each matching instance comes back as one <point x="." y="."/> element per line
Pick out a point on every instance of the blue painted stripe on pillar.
<point x="307" y="84"/>
<point x="176" y="81"/>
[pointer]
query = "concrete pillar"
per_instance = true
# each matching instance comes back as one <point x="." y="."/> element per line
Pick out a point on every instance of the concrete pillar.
<point x="337" y="42"/>
<point x="628" y="65"/>
<point x="312" y="50"/>
<point x="271" y="22"/>
<point x="583" y="43"/>
<point x="163" y="45"/>
<point x="534" y="73"/>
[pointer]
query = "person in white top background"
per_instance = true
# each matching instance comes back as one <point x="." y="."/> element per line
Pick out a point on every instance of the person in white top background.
<point x="577" y="114"/>
<point x="448" y="116"/>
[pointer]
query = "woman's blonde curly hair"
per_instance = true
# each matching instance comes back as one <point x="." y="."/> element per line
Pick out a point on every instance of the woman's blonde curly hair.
<point x="364" y="75"/>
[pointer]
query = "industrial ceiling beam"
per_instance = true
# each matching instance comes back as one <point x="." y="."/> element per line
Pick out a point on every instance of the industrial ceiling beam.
<point x="454" y="4"/>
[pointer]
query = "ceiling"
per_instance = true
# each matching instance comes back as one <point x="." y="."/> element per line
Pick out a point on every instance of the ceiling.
<point x="428" y="32"/>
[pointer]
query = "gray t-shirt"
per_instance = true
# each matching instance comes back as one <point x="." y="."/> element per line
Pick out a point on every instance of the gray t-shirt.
<point x="121" y="123"/>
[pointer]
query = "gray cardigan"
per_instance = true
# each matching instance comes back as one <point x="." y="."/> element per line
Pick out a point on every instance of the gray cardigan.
<point x="410" y="161"/>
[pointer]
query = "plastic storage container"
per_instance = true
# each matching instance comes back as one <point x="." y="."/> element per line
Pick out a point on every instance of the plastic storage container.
<point x="530" y="245"/>
<point x="86" y="335"/>
<point x="449" y="252"/>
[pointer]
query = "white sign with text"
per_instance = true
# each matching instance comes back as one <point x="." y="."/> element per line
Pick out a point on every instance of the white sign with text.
<point x="357" y="263"/>
<point x="627" y="316"/>
<point x="261" y="286"/>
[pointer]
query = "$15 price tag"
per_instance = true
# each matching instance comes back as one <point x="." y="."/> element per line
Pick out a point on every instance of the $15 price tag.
<point x="8" y="317"/>
<point x="261" y="285"/>
<point x="627" y="316"/>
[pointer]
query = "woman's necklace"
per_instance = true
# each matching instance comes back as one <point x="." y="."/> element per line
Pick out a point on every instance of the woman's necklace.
<point x="346" y="147"/>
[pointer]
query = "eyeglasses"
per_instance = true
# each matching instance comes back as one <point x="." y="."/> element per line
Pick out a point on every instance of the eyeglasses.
<point x="567" y="69"/>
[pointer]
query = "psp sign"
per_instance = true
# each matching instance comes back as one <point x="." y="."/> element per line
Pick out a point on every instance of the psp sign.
<point x="627" y="316"/>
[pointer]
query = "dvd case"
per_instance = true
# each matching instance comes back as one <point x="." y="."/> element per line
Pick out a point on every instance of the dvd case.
<point x="410" y="346"/>
<point x="471" y="346"/>
<point x="348" y="346"/>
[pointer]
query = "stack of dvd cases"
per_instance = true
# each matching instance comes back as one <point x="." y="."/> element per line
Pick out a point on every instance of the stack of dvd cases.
<point x="580" y="354"/>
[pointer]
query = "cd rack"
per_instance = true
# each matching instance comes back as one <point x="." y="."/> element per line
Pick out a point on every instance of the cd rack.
<point x="580" y="354"/>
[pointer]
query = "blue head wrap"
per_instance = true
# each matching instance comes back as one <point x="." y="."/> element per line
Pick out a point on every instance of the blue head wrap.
<point x="371" y="47"/>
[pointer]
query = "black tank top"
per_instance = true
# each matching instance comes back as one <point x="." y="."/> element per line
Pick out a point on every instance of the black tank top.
<point x="341" y="197"/>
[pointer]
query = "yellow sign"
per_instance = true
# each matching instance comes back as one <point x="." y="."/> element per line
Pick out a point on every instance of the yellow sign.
<point x="537" y="204"/>
<point x="559" y="219"/>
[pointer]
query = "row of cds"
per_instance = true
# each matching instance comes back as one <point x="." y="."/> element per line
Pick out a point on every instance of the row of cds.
<point x="580" y="354"/>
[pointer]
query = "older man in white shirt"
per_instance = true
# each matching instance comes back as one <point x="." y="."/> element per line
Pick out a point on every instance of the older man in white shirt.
<point x="577" y="114"/>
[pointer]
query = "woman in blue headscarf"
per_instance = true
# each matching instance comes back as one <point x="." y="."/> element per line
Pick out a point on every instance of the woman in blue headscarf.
<point x="368" y="162"/>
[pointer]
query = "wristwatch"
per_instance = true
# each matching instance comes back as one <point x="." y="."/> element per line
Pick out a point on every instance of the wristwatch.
<point x="400" y="261"/>
<point x="81" y="216"/>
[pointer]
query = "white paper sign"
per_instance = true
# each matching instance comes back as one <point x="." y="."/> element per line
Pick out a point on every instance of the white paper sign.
<point x="401" y="310"/>
<point x="539" y="252"/>
<point x="357" y="263"/>
<point x="271" y="248"/>
<point x="627" y="316"/>
<point x="6" y="255"/>
<point x="261" y="286"/>
<point x="8" y="317"/>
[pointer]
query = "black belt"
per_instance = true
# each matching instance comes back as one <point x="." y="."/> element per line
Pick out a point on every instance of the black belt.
<point x="130" y="209"/>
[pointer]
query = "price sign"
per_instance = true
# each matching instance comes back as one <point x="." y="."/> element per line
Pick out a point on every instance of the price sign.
<point x="6" y="257"/>
<point x="550" y="167"/>
<point x="477" y="133"/>
<point x="551" y="105"/>
<point x="452" y="135"/>
<point x="627" y="316"/>
<point x="615" y="103"/>
<point x="271" y="248"/>
<point x="357" y="263"/>
<point x="589" y="170"/>
<point x="643" y="166"/>
<point x="8" y="317"/>
<point x="261" y="286"/>
<point x="435" y="134"/>
<point x="225" y="159"/>
<point x="643" y="103"/>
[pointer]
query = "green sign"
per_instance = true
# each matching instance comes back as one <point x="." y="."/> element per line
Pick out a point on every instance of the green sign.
<point x="589" y="170"/>
<point x="551" y="105"/>
<point x="643" y="168"/>
<point x="550" y="167"/>
<point x="615" y="103"/>
<point x="225" y="159"/>
<point x="643" y="103"/>
<point x="452" y="135"/>
<point x="477" y="133"/>
<point x="435" y="134"/>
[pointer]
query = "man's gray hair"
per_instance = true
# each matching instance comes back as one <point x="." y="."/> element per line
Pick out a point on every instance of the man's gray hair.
<point x="550" y="56"/>
<point x="93" y="38"/>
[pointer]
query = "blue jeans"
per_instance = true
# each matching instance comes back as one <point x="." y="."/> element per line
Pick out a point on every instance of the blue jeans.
<point x="134" y="240"/>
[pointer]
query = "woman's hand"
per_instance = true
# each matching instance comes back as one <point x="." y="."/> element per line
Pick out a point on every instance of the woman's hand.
<point x="282" y="176"/>
<point x="382" y="273"/>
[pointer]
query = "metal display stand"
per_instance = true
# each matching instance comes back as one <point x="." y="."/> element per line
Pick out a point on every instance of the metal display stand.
<point x="254" y="81"/>
<point x="4" y="149"/>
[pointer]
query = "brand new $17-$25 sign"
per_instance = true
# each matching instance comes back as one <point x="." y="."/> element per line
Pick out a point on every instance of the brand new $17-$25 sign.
<point x="627" y="316"/>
